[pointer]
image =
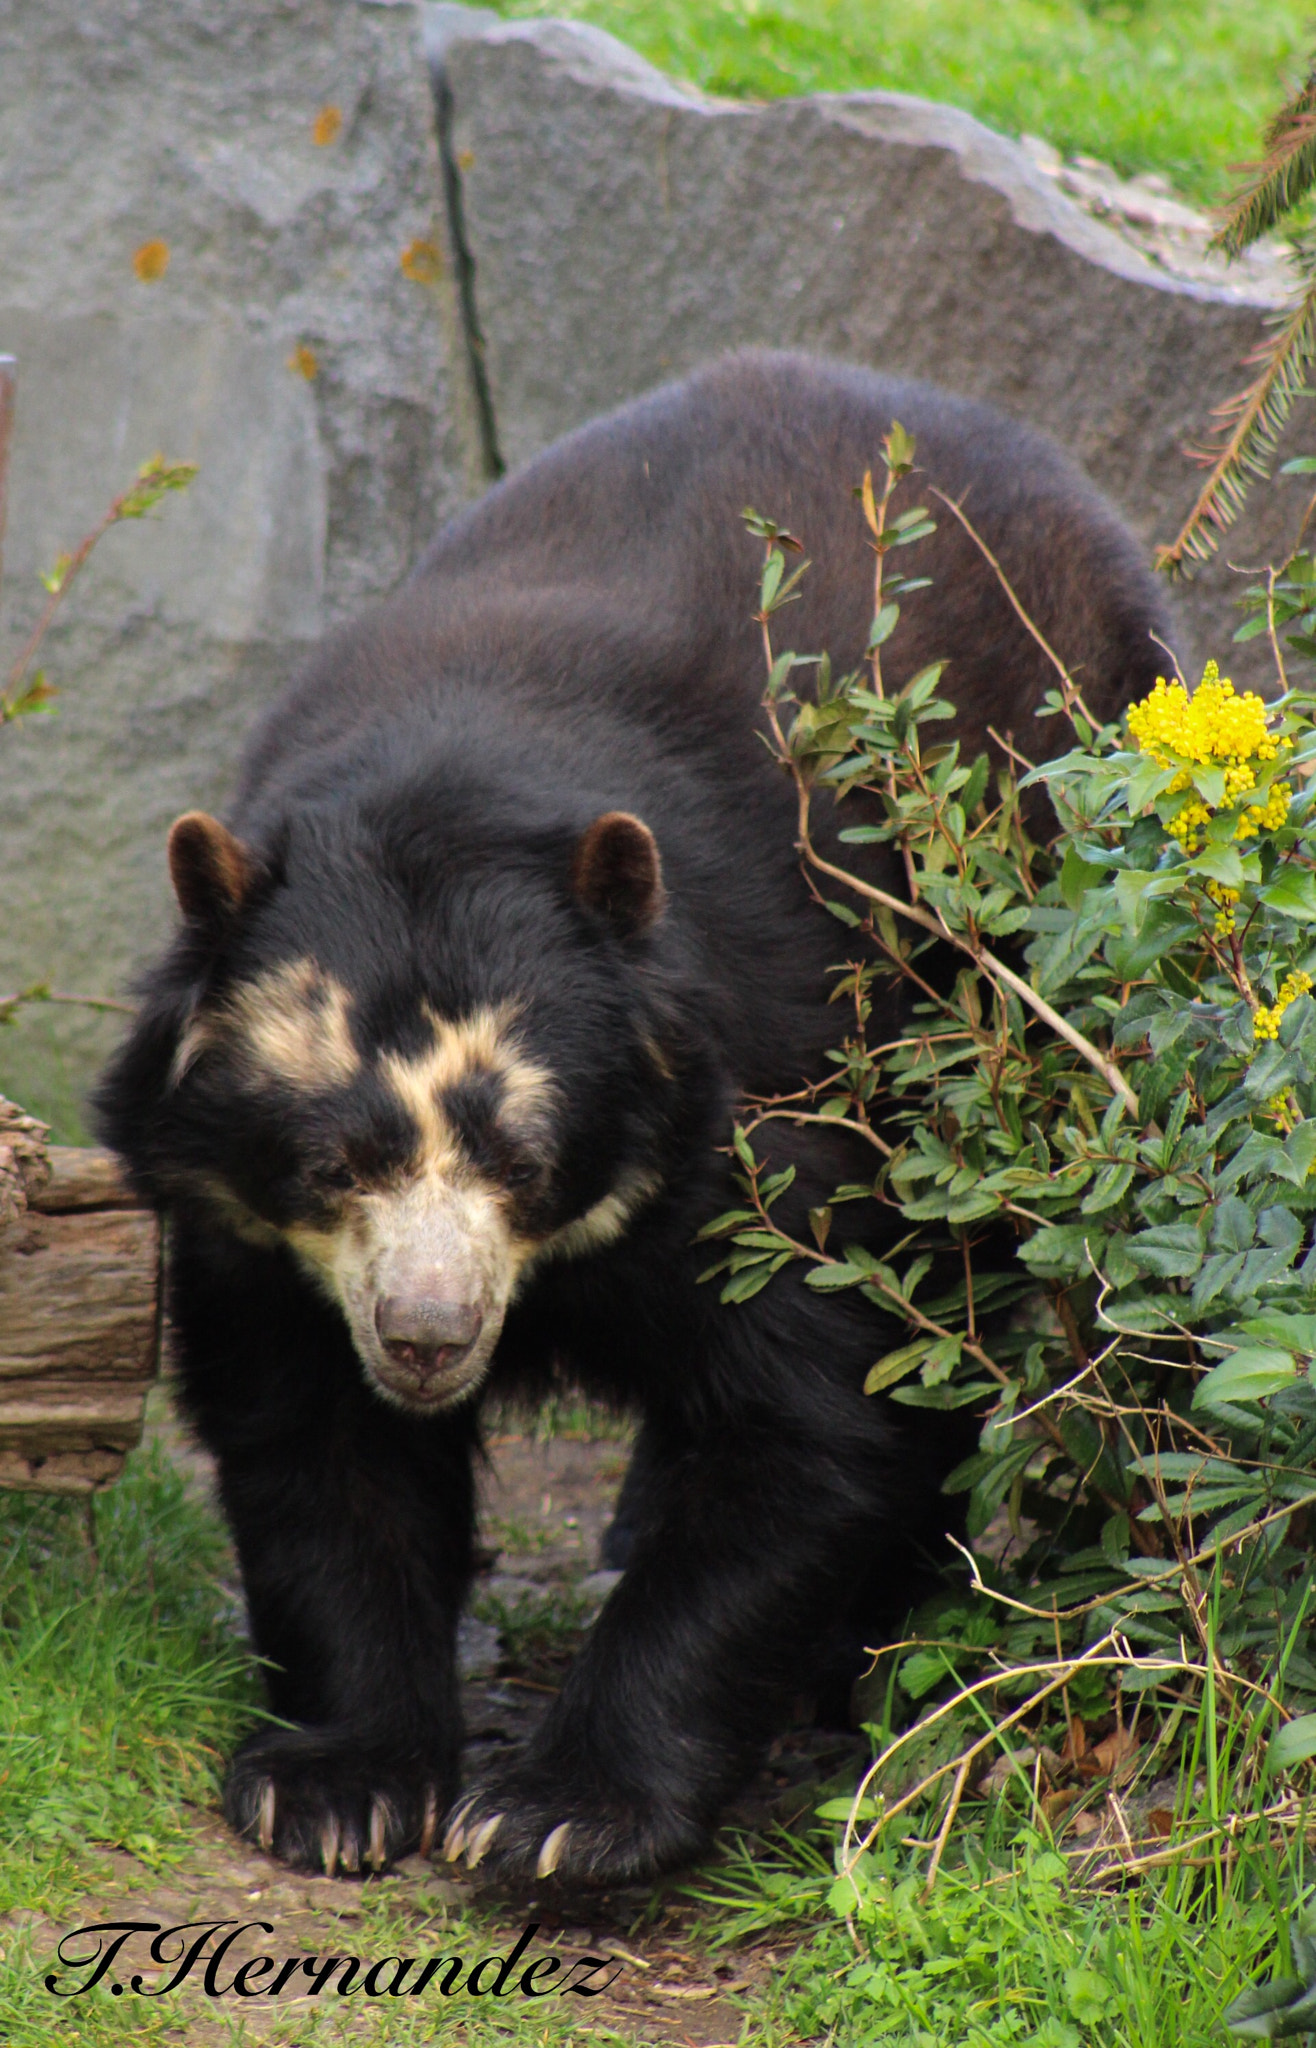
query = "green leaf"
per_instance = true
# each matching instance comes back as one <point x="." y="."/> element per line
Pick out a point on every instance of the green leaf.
<point x="1172" y="1251"/>
<point x="1220" y="864"/>
<point x="883" y="626"/>
<point x="1087" y="1994"/>
<point x="1292" y="892"/>
<point x="1077" y="876"/>
<point x="895" y="1366"/>
<point x="1131" y="886"/>
<point x="744" y="1285"/>
<point x="1060" y="1250"/>
<point x="1233" y="1227"/>
<point x="1251" y="1374"/>
<point x="1210" y="786"/>
<point x="1110" y="1186"/>
<point x="828" y="1278"/>
<point x="1259" y="2011"/>
<point x="1294" y="1743"/>
<point x="1162" y="928"/>
<point x="1294" y="1332"/>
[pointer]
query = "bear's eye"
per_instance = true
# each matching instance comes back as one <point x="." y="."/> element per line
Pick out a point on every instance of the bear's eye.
<point x="335" y="1175"/>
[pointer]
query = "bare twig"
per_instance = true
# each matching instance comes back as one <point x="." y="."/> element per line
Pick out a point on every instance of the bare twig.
<point x="995" y="969"/>
<point x="150" y="484"/>
<point x="1068" y="687"/>
<point x="39" y="993"/>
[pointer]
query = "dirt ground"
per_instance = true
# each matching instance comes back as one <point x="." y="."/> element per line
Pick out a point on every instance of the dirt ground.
<point x="545" y="1507"/>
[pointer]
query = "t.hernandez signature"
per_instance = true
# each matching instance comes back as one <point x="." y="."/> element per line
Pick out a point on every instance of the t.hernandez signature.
<point x="200" y="1949"/>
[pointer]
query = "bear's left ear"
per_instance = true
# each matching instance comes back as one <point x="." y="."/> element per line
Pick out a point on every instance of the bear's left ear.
<point x="211" y="870"/>
<point x="616" y="871"/>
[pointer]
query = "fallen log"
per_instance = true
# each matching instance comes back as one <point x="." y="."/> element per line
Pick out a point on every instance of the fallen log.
<point x="79" y="1312"/>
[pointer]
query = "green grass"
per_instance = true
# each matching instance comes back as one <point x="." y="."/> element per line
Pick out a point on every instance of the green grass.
<point x="1178" y="86"/>
<point x="1008" y="1952"/>
<point x="122" y="1685"/>
<point x="121" y="1682"/>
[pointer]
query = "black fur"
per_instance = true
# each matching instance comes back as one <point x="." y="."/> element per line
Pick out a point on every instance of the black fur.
<point x="578" y="642"/>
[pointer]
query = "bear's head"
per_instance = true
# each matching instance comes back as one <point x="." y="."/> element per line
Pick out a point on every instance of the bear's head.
<point x="422" y="1070"/>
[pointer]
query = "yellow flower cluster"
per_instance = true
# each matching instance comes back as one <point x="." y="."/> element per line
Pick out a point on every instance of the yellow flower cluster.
<point x="1187" y="823"/>
<point x="1225" y="900"/>
<point x="1213" y="727"/>
<point x="1279" y="1107"/>
<point x="1265" y="1023"/>
<point x="1267" y="817"/>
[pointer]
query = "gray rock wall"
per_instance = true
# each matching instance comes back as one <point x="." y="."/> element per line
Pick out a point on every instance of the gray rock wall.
<point x="132" y="122"/>
<point x="601" y="229"/>
<point x="623" y="228"/>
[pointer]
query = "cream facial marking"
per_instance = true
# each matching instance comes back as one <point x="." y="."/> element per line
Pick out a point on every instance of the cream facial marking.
<point x="479" y="1045"/>
<point x="424" y="1268"/>
<point x="602" y="1225"/>
<point x="289" y="1024"/>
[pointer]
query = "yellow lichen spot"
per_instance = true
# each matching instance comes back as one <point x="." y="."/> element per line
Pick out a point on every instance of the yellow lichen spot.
<point x="328" y="126"/>
<point x="421" y="262"/>
<point x="151" y="261"/>
<point x="305" y="362"/>
<point x="466" y="160"/>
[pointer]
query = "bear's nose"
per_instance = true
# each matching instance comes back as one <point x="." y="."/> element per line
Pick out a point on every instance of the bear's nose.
<point x="425" y="1333"/>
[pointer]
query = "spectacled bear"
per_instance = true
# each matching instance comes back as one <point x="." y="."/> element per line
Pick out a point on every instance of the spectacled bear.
<point x="436" y="1078"/>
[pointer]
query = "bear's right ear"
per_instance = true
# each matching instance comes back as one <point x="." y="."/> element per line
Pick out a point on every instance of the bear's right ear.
<point x="617" y="872"/>
<point x="211" y="870"/>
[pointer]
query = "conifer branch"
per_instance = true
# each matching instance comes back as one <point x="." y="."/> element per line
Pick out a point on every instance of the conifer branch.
<point x="1285" y="174"/>
<point x="1252" y="423"/>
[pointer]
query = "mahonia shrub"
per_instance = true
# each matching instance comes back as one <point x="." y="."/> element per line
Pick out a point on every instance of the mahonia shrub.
<point x="1092" y="1147"/>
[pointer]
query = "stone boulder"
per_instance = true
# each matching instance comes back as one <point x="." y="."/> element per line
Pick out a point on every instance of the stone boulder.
<point x="622" y="228"/>
<point x="219" y="239"/>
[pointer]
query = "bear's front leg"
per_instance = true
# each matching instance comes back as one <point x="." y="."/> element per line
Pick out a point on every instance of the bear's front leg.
<point x="353" y="1525"/>
<point x="738" y="1572"/>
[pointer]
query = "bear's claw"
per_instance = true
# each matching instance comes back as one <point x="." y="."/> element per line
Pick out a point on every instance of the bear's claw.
<point x="454" y="1842"/>
<point x="551" y="1849"/>
<point x="481" y="1838"/>
<point x="320" y="1803"/>
<point x="510" y="1834"/>
<point x="265" y="1826"/>
<point x="429" y="1822"/>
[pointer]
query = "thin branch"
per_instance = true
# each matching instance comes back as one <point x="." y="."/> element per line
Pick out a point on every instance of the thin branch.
<point x="40" y="994"/>
<point x="1068" y="687"/>
<point x="152" y="481"/>
<point x="991" y="966"/>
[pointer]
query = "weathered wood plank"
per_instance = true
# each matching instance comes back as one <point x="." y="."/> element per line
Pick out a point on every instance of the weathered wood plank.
<point x="59" y="1472"/>
<point x="70" y="1416"/>
<point x="79" y="1312"/>
<point x="82" y="1177"/>
<point x="78" y="1293"/>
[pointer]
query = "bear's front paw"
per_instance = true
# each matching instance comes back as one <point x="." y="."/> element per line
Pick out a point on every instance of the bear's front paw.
<point x="518" y="1830"/>
<point x="325" y="1803"/>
